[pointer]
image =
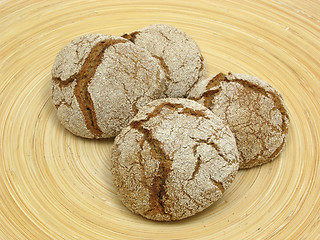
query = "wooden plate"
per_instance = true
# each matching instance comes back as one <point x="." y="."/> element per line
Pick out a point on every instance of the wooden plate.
<point x="54" y="185"/>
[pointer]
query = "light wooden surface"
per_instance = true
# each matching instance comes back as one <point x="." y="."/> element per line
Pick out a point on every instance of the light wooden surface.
<point x="54" y="185"/>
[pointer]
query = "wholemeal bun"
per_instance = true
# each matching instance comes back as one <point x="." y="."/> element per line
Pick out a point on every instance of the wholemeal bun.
<point x="178" y="55"/>
<point x="173" y="160"/>
<point x="254" y="111"/>
<point x="100" y="81"/>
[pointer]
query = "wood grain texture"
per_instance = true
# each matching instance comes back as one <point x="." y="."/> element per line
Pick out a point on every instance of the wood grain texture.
<point x="54" y="185"/>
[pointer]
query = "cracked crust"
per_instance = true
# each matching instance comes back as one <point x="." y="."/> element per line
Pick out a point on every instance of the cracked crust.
<point x="99" y="82"/>
<point x="178" y="55"/>
<point x="254" y="111"/>
<point x="173" y="160"/>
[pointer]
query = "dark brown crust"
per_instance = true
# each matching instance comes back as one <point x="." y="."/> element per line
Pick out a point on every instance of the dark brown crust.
<point x="83" y="78"/>
<point x="198" y="163"/>
<point x="209" y="95"/>
<point x="215" y="81"/>
<point x="197" y="113"/>
<point x="218" y="184"/>
<point x="131" y="37"/>
<point x="65" y="83"/>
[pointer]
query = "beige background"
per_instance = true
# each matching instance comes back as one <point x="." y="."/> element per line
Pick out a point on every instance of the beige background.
<point x="54" y="185"/>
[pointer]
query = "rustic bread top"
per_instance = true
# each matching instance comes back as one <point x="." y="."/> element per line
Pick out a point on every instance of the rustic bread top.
<point x="254" y="111"/>
<point x="99" y="82"/>
<point x="177" y="53"/>
<point x="174" y="159"/>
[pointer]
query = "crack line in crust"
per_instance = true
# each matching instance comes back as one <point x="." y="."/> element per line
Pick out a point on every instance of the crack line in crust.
<point x="191" y="198"/>
<point x="65" y="83"/>
<point x="83" y="78"/>
<point x="157" y="190"/>
<point x="215" y="81"/>
<point x="278" y="105"/>
<point x="164" y="36"/>
<point x="191" y="112"/>
<point x="214" y="145"/>
<point x="64" y="103"/>
<point x="131" y="37"/>
<point x="210" y="94"/>
<point x="167" y="73"/>
<point x="218" y="185"/>
<point x="198" y="163"/>
<point x="268" y="94"/>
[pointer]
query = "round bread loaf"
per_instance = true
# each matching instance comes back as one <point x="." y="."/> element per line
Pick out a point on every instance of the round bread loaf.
<point x="173" y="160"/>
<point x="177" y="53"/>
<point x="254" y="111"/>
<point x="99" y="82"/>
